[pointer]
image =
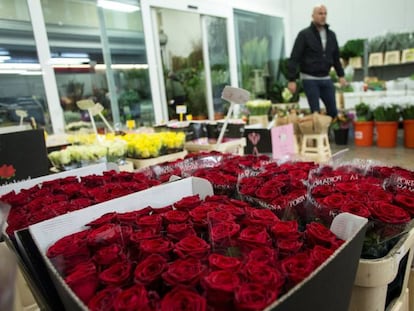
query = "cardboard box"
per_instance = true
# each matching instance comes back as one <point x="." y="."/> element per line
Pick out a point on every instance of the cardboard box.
<point x="327" y="288"/>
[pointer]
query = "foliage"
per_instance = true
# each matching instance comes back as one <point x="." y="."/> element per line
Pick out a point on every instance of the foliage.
<point x="376" y="45"/>
<point x="255" y="52"/>
<point x="386" y="112"/>
<point x="363" y="112"/>
<point x="343" y="120"/>
<point x="407" y="111"/>
<point x="352" y="48"/>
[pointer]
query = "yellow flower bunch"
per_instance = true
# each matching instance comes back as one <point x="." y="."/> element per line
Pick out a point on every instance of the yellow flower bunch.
<point x="151" y="145"/>
<point x="172" y="140"/>
<point x="143" y="145"/>
<point x="83" y="139"/>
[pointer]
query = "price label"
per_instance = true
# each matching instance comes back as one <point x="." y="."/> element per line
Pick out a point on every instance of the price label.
<point x="235" y="95"/>
<point x="181" y="109"/>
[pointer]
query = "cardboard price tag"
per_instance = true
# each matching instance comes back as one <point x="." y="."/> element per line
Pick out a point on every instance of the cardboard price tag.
<point x="181" y="109"/>
<point x="235" y="95"/>
<point x="283" y="141"/>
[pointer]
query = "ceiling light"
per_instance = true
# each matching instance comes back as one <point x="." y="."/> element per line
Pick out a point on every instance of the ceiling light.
<point x="117" y="6"/>
<point x="68" y="60"/>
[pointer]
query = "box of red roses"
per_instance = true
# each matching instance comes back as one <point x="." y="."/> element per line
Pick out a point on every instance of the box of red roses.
<point x="205" y="272"/>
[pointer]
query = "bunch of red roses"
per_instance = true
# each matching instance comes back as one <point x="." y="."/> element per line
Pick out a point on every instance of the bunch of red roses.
<point x="216" y="254"/>
<point x="279" y="187"/>
<point x="53" y="198"/>
<point x="371" y="193"/>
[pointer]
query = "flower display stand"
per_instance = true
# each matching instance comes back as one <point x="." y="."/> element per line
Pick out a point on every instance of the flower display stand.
<point x="316" y="147"/>
<point x="375" y="275"/>
<point x="140" y="163"/>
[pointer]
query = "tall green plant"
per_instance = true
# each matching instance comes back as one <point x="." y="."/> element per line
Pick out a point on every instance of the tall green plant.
<point x="363" y="112"/>
<point x="386" y="112"/>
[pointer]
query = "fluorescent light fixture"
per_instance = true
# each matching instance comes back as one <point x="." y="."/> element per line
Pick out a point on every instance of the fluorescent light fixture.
<point x="117" y="6"/>
<point x="122" y="66"/>
<point x="4" y="57"/>
<point x="68" y="60"/>
<point x="19" y="66"/>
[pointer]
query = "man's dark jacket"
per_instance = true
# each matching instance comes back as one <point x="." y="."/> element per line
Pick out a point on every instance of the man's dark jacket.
<point x="309" y="57"/>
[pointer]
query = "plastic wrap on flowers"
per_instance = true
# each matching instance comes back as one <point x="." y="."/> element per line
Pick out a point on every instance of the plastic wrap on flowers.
<point x="278" y="187"/>
<point x="346" y="189"/>
<point x="216" y="254"/>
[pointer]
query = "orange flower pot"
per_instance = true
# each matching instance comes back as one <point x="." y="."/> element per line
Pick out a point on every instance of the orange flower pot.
<point x="408" y="133"/>
<point x="363" y="133"/>
<point x="386" y="133"/>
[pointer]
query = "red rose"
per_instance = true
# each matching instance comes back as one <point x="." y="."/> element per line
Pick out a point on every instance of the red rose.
<point x="253" y="297"/>
<point x="150" y="269"/>
<point x="132" y="298"/>
<point x="162" y="210"/>
<point x="236" y="211"/>
<point x="255" y="236"/>
<point x="175" y="216"/>
<point x="199" y="215"/>
<point x="368" y="186"/>
<point x="346" y="187"/>
<point x="131" y="217"/>
<point x="192" y="246"/>
<point x="224" y="234"/>
<point x="214" y="217"/>
<point x="220" y="286"/>
<point x="151" y="221"/>
<point x="184" y="271"/>
<point x="178" y="232"/>
<point x="104" y="299"/>
<point x="284" y="229"/>
<point x="322" y="191"/>
<point x="319" y="254"/>
<point x="296" y="268"/>
<point x="288" y="246"/>
<point x="145" y="234"/>
<point x="83" y="281"/>
<point x="104" y="219"/>
<point x="264" y="255"/>
<point x="116" y="275"/>
<point x="267" y="193"/>
<point x="80" y="203"/>
<point x="69" y="251"/>
<point x="188" y="203"/>
<point x="261" y="217"/>
<point x="105" y="235"/>
<point x="380" y="195"/>
<point x="318" y="234"/>
<point x="389" y="213"/>
<point x="156" y="246"/>
<point x="256" y="272"/>
<point x="221" y="262"/>
<point x="356" y="208"/>
<point x="183" y="299"/>
<point x="406" y="202"/>
<point x="108" y="255"/>
<point x="334" y="201"/>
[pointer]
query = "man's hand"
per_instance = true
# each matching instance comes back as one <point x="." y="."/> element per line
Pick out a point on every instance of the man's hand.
<point x="342" y="81"/>
<point x="292" y="87"/>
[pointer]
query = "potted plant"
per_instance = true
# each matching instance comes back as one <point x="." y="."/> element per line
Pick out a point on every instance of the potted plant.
<point x="407" y="113"/>
<point x="340" y="126"/>
<point x="363" y="125"/>
<point x="386" y="116"/>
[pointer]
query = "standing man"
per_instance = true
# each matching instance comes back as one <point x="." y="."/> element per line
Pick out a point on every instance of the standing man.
<point x="314" y="53"/>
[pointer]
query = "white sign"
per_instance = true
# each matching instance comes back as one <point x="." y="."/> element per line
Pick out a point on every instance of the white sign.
<point x="181" y="109"/>
<point x="235" y="95"/>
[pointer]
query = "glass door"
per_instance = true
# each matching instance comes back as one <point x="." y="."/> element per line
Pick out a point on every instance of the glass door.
<point x="190" y="58"/>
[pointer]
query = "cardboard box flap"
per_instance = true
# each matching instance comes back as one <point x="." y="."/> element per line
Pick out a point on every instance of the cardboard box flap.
<point x="49" y="231"/>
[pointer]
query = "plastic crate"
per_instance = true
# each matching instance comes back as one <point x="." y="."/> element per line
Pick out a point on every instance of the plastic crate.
<point x="381" y="284"/>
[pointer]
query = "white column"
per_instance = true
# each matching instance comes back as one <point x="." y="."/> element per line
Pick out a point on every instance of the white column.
<point x="43" y="53"/>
